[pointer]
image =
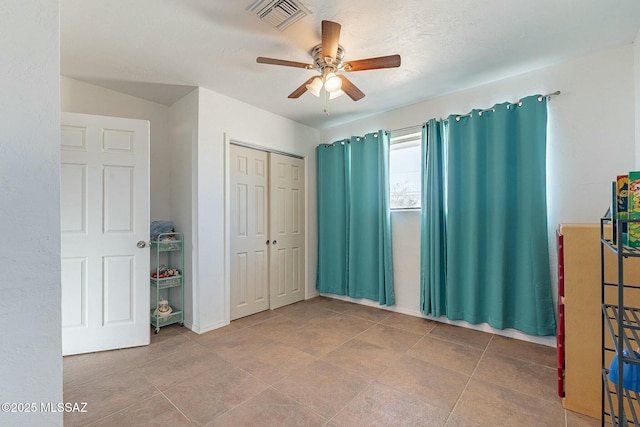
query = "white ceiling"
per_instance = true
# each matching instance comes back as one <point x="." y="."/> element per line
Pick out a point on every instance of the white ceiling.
<point x="159" y="49"/>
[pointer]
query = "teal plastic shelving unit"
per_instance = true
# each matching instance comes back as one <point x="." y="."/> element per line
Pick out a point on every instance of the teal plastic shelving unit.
<point x="168" y="250"/>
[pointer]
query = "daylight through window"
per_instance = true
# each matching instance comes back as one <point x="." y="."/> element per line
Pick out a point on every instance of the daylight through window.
<point x="405" y="171"/>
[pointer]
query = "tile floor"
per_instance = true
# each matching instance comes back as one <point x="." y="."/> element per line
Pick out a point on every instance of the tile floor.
<point x="321" y="362"/>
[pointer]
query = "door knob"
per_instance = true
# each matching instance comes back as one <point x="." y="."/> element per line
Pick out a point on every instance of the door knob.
<point x="267" y="242"/>
<point x="141" y="244"/>
<point x="274" y="242"/>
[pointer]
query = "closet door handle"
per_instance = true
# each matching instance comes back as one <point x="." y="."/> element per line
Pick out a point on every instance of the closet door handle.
<point x="267" y="242"/>
<point x="274" y="242"/>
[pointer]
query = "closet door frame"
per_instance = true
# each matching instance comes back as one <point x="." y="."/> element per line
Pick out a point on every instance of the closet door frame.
<point x="244" y="142"/>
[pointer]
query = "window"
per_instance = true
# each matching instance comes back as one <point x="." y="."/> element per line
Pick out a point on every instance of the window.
<point x="405" y="171"/>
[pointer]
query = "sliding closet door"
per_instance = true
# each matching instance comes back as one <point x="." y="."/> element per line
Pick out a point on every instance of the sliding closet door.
<point x="267" y="230"/>
<point x="249" y="231"/>
<point x="286" y="258"/>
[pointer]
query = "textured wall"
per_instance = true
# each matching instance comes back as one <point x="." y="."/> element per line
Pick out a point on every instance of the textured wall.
<point x="30" y="322"/>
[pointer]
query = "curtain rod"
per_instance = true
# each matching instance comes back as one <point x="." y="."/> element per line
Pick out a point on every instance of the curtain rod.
<point x="418" y="127"/>
<point x="518" y="102"/>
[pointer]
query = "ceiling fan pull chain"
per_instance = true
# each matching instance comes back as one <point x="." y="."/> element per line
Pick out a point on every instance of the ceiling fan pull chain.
<point x="324" y="101"/>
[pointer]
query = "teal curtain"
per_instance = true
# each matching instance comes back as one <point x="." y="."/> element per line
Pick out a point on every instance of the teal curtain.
<point x="354" y="222"/>
<point x="497" y="250"/>
<point x="433" y="246"/>
<point x="333" y="217"/>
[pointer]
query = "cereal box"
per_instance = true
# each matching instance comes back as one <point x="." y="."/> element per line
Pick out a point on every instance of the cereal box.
<point x="634" y="209"/>
<point x="622" y="187"/>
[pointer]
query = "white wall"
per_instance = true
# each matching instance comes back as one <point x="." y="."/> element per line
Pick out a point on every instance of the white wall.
<point x="591" y="139"/>
<point x="31" y="346"/>
<point x="80" y="97"/>
<point x="221" y="119"/>
<point x="183" y="153"/>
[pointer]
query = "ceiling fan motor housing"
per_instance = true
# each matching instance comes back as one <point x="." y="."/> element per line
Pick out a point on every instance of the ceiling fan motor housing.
<point x="326" y="65"/>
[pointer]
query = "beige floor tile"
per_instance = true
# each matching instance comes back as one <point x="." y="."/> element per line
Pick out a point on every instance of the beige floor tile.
<point x="342" y="323"/>
<point x="207" y="337"/>
<point x="380" y="405"/>
<point x="174" y="328"/>
<point x="107" y="394"/>
<point x="432" y="384"/>
<point x="524" y="377"/>
<point x="461" y="335"/>
<point x="289" y="308"/>
<point x="455" y="421"/>
<point x="269" y="408"/>
<point x="83" y="368"/>
<point x="315" y="300"/>
<point x="316" y="359"/>
<point x="182" y="366"/>
<point x="161" y="345"/>
<point x="579" y="420"/>
<point x="278" y="327"/>
<point x="156" y="411"/>
<point x="362" y="358"/>
<point x="390" y="337"/>
<point x="447" y="354"/>
<point x="366" y="312"/>
<point x="315" y="340"/>
<point x="517" y="349"/>
<point x="415" y="324"/>
<point x="322" y="387"/>
<point x="308" y="313"/>
<point x="213" y="393"/>
<point x="239" y="345"/>
<point x="254" y="319"/>
<point x="274" y="361"/>
<point x="495" y="406"/>
<point x="332" y="304"/>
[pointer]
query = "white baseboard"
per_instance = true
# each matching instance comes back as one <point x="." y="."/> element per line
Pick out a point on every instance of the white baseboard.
<point x="204" y="329"/>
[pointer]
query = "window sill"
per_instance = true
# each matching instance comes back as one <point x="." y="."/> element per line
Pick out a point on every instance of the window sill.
<point x="405" y="210"/>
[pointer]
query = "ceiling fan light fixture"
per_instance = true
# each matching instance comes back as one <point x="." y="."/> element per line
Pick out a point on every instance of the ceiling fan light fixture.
<point x="332" y="83"/>
<point x="315" y="86"/>
<point x="336" y="94"/>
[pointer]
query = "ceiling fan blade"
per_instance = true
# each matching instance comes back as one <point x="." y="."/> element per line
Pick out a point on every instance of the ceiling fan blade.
<point x="351" y="89"/>
<point x="330" y="38"/>
<point x="272" y="61"/>
<point x="302" y="89"/>
<point x="390" y="61"/>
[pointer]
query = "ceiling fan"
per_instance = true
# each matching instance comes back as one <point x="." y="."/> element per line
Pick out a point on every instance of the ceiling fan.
<point x="328" y="61"/>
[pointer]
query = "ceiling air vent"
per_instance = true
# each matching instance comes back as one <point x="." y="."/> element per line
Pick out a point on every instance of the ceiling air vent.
<point x="279" y="13"/>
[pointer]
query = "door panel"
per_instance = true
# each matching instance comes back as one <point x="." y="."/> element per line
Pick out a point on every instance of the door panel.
<point x="104" y="213"/>
<point x="118" y="289"/>
<point x="118" y="199"/>
<point x="249" y="201"/>
<point x="287" y="225"/>
<point x="73" y="190"/>
<point x="74" y="291"/>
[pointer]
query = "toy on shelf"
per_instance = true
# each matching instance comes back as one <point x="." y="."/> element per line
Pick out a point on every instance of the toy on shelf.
<point x="164" y="309"/>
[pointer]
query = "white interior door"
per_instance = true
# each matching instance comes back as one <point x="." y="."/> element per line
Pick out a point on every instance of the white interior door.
<point x="104" y="213"/>
<point x="249" y="233"/>
<point x="287" y="256"/>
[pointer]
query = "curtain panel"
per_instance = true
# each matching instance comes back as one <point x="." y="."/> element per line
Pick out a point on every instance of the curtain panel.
<point x="354" y="221"/>
<point x="433" y="244"/>
<point x="496" y="247"/>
